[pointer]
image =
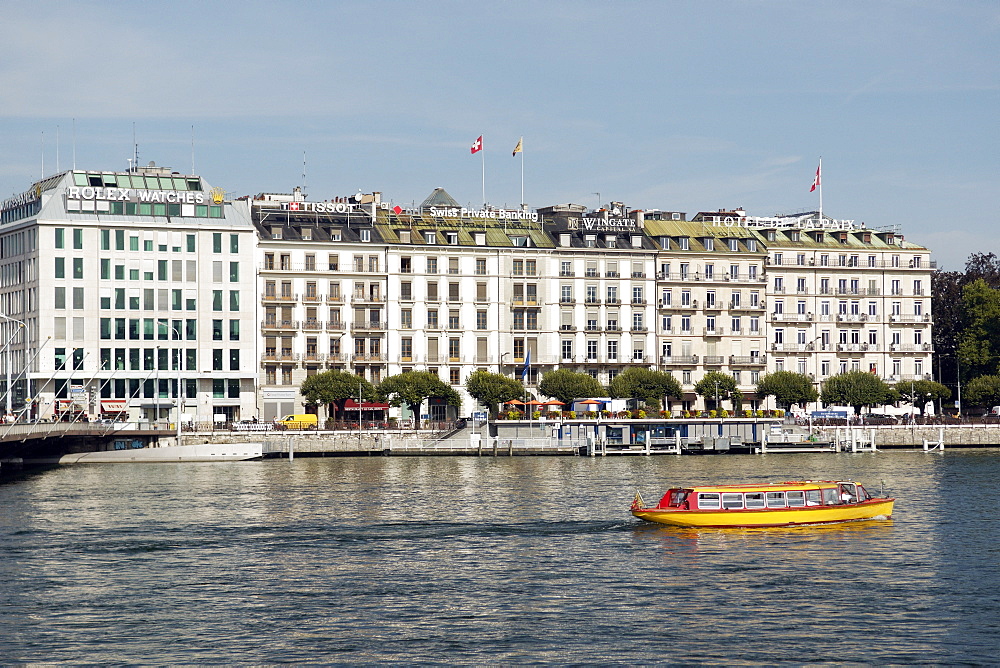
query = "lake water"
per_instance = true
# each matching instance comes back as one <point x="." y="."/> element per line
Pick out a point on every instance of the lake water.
<point x="483" y="560"/>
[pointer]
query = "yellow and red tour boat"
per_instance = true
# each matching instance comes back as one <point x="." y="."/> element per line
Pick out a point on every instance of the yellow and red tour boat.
<point x="765" y="505"/>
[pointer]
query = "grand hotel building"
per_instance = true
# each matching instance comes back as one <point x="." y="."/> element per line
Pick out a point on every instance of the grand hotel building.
<point x="132" y="284"/>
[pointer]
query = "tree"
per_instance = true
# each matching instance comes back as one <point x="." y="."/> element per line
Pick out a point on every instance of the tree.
<point x="715" y="385"/>
<point x="493" y="389"/>
<point x="648" y="386"/>
<point x="979" y="339"/>
<point x="919" y="392"/>
<point x="412" y="388"/>
<point x="568" y="386"/>
<point x="982" y="391"/>
<point x="857" y="389"/>
<point x="787" y="388"/>
<point x="335" y="387"/>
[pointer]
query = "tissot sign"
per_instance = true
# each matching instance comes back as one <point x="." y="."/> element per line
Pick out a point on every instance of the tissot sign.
<point x="136" y="195"/>
<point x="321" y="207"/>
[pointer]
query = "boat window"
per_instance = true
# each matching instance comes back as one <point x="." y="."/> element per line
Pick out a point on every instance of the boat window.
<point x="831" y="496"/>
<point x="708" y="501"/>
<point x="776" y="499"/>
<point x="796" y="498"/>
<point x="754" y="499"/>
<point x="732" y="501"/>
<point x="677" y="497"/>
<point x="813" y="497"/>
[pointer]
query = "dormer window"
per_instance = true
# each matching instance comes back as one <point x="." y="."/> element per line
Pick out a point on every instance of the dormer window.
<point x="794" y="235"/>
<point x="734" y="244"/>
<point x="843" y="237"/>
<point x="665" y="243"/>
<point x="275" y="232"/>
<point x="751" y="245"/>
<point x="335" y="234"/>
<point x="590" y="240"/>
<point x="307" y="234"/>
<point x="770" y="235"/>
<point x="610" y="241"/>
<point x="404" y="236"/>
<point x="479" y="238"/>
<point x="430" y="237"/>
<point x="366" y="235"/>
<point x="636" y="241"/>
<point x="520" y="242"/>
<point x="684" y="243"/>
<point x="709" y="243"/>
<point x="818" y="236"/>
<point x="452" y="238"/>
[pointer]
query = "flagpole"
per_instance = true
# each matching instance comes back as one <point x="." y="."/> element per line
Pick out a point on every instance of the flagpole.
<point x="484" y="173"/>
<point x="820" y="189"/>
<point x="522" y="178"/>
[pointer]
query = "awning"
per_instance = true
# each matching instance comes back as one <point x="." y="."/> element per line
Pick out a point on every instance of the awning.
<point x="352" y="405"/>
<point x="113" y="405"/>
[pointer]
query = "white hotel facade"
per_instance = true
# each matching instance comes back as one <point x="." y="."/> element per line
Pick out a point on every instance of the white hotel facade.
<point x="120" y="277"/>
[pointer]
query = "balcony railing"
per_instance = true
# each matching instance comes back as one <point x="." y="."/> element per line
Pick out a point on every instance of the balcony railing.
<point x="280" y="324"/>
<point x="678" y="360"/>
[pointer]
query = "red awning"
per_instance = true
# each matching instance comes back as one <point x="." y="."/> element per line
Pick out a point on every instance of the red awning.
<point x="352" y="405"/>
<point x="113" y="405"/>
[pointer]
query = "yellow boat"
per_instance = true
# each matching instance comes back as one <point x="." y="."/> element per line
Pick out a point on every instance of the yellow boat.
<point x="765" y="505"/>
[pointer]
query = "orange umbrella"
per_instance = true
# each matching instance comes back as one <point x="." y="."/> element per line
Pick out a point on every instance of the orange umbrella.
<point x="534" y="402"/>
<point x="553" y="402"/>
<point x="515" y="402"/>
<point x="591" y="402"/>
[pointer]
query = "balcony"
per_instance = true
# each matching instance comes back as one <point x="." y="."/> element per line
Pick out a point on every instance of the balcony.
<point x="567" y="328"/>
<point x="284" y="298"/>
<point x="275" y="357"/>
<point x="714" y="360"/>
<point x="334" y="359"/>
<point x="567" y="300"/>
<point x="369" y="357"/>
<point x="792" y="347"/>
<point x="638" y="274"/>
<point x="336" y="298"/>
<point x="613" y="328"/>
<point x="593" y="328"/>
<point x="791" y="317"/>
<point x="678" y="360"/>
<point x="314" y="357"/>
<point x="611" y="274"/>
<point x="638" y="301"/>
<point x="852" y="347"/>
<point x="312" y="325"/>
<point x="335" y="326"/>
<point x="566" y="274"/>
<point x="852" y="317"/>
<point x="312" y="298"/>
<point x="367" y="325"/>
<point x="367" y="299"/>
<point x="592" y="300"/>
<point x="613" y="300"/>
<point x="746" y="360"/>
<point x="280" y="325"/>
<point x="639" y="329"/>
<point x="714" y="331"/>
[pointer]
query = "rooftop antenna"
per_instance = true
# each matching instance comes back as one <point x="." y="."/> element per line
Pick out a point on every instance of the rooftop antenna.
<point x="74" y="143"/>
<point x="43" y="154"/>
<point x="57" y="149"/>
<point x="135" y="149"/>
<point x="192" y="151"/>
<point x="304" y="174"/>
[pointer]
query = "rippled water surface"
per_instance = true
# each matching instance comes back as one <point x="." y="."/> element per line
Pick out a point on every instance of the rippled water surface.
<point x="483" y="560"/>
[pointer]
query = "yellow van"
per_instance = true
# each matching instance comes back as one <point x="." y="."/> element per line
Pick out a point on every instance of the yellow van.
<point x="307" y="421"/>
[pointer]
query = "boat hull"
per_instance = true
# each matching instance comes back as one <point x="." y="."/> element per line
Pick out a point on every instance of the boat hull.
<point x="768" y="517"/>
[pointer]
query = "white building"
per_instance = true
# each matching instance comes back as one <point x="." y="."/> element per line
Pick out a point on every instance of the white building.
<point x="128" y="284"/>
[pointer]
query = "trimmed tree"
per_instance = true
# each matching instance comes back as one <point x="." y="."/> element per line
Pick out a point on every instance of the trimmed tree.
<point x="568" y="386"/>
<point x="335" y="387"/>
<point x="857" y="389"/>
<point x="412" y="388"/>
<point x="716" y="386"/>
<point x="787" y="388"/>
<point x="646" y="385"/>
<point x="493" y="389"/>
<point x="922" y="391"/>
<point x="982" y="391"/>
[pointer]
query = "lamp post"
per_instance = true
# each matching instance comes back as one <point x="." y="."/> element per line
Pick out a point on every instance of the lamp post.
<point x="716" y="395"/>
<point x="500" y="363"/>
<point x="7" y="358"/>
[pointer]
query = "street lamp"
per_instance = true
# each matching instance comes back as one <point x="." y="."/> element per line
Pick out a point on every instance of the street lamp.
<point x="500" y="363"/>
<point x="7" y="358"/>
<point x="716" y="395"/>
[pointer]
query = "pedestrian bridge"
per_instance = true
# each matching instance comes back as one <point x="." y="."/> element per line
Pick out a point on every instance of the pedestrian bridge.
<point x="21" y="432"/>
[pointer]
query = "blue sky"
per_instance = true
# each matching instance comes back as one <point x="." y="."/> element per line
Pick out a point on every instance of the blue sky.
<point x="687" y="106"/>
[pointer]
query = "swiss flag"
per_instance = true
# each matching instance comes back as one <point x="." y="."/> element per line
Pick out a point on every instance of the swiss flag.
<point x="816" y="180"/>
<point x="293" y="206"/>
<point x="478" y="145"/>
